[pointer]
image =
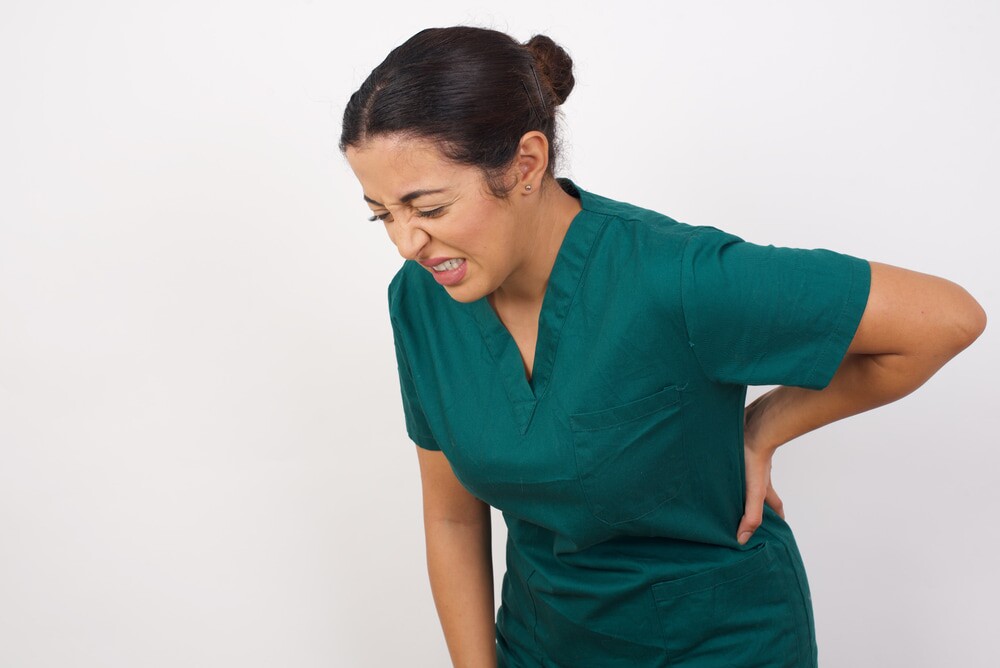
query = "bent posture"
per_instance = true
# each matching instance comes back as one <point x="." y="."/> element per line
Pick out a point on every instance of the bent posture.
<point x="581" y="363"/>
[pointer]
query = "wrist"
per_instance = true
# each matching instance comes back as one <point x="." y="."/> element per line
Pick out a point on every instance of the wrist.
<point x="756" y="420"/>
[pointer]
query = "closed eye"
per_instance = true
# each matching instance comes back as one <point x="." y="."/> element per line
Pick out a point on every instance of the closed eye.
<point x="433" y="213"/>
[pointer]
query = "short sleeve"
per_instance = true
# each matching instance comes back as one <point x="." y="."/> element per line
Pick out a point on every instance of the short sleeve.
<point x="768" y="315"/>
<point x="416" y="422"/>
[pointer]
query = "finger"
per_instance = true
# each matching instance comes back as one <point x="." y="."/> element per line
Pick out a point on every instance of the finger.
<point x="753" y="511"/>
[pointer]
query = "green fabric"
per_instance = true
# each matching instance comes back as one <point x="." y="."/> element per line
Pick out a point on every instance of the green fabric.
<point x="619" y="466"/>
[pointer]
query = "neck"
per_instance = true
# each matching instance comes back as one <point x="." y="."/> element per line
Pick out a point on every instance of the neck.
<point x="546" y="220"/>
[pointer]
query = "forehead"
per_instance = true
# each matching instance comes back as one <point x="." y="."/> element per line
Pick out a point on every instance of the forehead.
<point x="389" y="167"/>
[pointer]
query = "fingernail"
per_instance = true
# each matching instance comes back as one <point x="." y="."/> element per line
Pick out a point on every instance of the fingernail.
<point x="744" y="537"/>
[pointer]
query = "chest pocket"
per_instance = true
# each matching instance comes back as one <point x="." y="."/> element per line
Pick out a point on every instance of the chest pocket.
<point x="630" y="458"/>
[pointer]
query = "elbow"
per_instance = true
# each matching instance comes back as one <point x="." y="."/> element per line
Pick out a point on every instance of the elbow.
<point x="969" y="323"/>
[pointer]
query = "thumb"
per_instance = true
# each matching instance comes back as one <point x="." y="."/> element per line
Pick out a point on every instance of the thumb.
<point x="752" y="513"/>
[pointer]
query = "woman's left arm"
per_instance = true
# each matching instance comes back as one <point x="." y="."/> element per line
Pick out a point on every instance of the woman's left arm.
<point x="912" y="325"/>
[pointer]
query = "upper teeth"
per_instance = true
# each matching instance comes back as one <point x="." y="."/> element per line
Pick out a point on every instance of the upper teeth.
<point x="448" y="264"/>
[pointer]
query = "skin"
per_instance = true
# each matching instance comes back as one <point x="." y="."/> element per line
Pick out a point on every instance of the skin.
<point x="510" y="246"/>
<point x="912" y="325"/>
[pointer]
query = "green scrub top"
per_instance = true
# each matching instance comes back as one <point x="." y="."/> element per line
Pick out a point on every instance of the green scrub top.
<point x="619" y="466"/>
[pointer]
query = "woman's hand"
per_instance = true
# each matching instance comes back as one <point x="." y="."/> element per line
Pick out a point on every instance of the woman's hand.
<point x="757" y="456"/>
<point x="912" y="325"/>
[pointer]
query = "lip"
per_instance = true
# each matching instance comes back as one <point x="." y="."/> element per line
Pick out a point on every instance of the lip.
<point x="435" y="261"/>
<point x="451" y="276"/>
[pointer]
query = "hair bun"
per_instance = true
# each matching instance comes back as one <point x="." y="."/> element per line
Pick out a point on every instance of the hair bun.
<point x="554" y="64"/>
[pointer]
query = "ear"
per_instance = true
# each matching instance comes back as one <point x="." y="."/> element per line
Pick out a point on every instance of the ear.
<point x="532" y="160"/>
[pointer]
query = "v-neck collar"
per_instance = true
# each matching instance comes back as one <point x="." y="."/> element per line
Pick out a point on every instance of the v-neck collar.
<point x="571" y="259"/>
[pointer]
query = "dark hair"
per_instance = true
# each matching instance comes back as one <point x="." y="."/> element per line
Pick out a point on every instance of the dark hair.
<point x="474" y="92"/>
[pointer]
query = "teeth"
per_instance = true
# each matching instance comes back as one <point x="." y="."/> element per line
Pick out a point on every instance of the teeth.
<point x="454" y="263"/>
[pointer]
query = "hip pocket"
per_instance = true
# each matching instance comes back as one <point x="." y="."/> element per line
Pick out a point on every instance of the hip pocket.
<point x="748" y="613"/>
<point x="630" y="458"/>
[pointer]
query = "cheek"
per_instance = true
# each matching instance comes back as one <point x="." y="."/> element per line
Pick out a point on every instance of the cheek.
<point x="488" y="236"/>
<point x="484" y="250"/>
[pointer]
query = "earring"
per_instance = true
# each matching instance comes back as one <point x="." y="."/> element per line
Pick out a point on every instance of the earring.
<point x="527" y="187"/>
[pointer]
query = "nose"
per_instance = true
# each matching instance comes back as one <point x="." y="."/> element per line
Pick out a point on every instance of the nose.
<point x="410" y="239"/>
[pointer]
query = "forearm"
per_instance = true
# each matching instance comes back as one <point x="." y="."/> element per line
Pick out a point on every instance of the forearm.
<point x="460" y="566"/>
<point x="861" y="383"/>
<point x="912" y="325"/>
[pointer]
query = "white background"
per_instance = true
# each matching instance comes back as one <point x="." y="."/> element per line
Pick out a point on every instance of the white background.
<point x="202" y="452"/>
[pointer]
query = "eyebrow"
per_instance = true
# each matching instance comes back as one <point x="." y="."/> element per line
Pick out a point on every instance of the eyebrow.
<point x="405" y="199"/>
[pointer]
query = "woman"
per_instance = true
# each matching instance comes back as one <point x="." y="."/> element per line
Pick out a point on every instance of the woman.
<point x="581" y="364"/>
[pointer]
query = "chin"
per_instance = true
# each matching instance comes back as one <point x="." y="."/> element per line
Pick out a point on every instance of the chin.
<point x="463" y="293"/>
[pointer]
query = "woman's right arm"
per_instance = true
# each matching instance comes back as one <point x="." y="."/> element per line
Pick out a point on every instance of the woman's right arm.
<point x="459" y="562"/>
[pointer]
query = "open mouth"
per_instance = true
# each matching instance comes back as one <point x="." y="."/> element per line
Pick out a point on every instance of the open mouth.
<point x="448" y="265"/>
<point x="450" y="272"/>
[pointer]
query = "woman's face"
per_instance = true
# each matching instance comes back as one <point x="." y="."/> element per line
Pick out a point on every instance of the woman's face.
<point x="439" y="214"/>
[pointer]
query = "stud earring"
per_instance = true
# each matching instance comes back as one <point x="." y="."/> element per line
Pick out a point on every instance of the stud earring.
<point x="527" y="187"/>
